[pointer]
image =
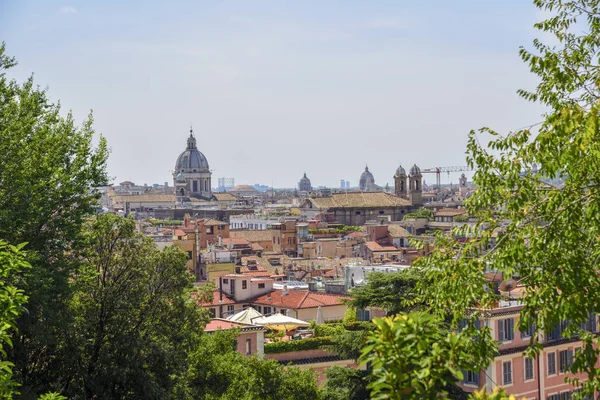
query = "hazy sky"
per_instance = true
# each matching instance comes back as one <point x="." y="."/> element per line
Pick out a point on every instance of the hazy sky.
<point x="276" y="88"/>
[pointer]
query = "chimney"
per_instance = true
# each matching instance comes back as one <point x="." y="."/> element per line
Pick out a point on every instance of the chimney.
<point x="220" y="242"/>
<point x="284" y="292"/>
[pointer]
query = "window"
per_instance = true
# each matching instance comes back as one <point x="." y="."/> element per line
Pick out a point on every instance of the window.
<point x="471" y="377"/>
<point x="244" y="284"/>
<point x="554" y="397"/>
<point x="528" y="332"/>
<point x="212" y="312"/>
<point x="590" y="324"/>
<point x="248" y="346"/>
<point x="565" y="359"/>
<point x="258" y="308"/>
<point x="507" y="372"/>
<point x="283" y="311"/>
<point x="261" y="285"/>
<point x="225" y="281"/>
<point x="267" y="310"/>
<point x="230" y="308"/>
<point x="245" y="306"/>
<point x="358" y="213"/>
<point x="528" y="368"/>
<point x="363" y="315"/>
<point x="551" y="363"/>
<point x="381" y="212"/>
<point x="189" y="253"/>
<point x="273" y="239"/>
<point x="221" y="227"/>
<point x="506" y="330"/>
<point x="565" y="396"/>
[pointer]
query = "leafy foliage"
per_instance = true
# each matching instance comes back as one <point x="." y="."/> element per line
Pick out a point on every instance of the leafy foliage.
<point x="135" y="319"/>
<point x="297" y="345"/>
<point x="48" y="170"/>
<point x="550" y="233"/>
<point x="346" y="384"/>
<point x="328" y="329"/>
<point x="412" y="359"/>
<point x="217" y="371"/>
<point x="420" y="213"/>
<point x="394" y="292"/>
<point x="11" y="305"/>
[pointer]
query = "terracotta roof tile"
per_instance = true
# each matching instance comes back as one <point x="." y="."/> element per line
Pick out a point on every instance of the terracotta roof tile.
<point x="358" y="200"/>
<point x="224" y="197"/>
<point x="299" y="299"/>
<point x="396" y="231"/>
<point x="265" y="235"/>
<point x="215" y="300"/>
<point x="449" y="212"/>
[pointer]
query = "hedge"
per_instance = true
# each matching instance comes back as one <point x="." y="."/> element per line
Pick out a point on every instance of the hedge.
<point x="322" y="330"/>
<point x="360" y="326"/>
<point x="296" y="345"/>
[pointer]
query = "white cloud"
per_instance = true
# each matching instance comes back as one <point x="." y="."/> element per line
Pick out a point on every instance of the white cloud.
<point x="68" y="10"/>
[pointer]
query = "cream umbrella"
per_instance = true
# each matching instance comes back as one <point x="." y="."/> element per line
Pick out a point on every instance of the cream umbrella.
<point x="320" y="319"/>
<point x="280" y="322"/>
<point x="245" y="317"/>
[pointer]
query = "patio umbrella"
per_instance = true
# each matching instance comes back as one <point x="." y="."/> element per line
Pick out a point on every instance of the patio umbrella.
<point x="245" y="317"/>
<point x="280" y="322"/>
<point x="320" y="318"/>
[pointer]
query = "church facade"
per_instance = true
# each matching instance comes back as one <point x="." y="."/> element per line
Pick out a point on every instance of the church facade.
<point x="192" y="175"/>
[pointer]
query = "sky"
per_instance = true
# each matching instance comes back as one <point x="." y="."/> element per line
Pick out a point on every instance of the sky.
<point x="277" y="88"/>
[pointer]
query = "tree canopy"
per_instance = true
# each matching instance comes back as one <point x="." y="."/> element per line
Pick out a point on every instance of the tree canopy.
<point x="549" y="234"/>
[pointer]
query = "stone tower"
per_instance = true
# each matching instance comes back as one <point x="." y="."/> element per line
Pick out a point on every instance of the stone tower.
<point x="400" y="182"/>
<point x="415" y="189"/>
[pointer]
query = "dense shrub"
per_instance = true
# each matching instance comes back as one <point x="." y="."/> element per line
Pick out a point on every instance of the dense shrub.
<point x="359" y="326"/>
<point x="297" y="345"/>
<point x="322" y="330"/>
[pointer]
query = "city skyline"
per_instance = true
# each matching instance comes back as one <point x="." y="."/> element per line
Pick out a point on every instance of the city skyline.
<point x="269" y="88"/>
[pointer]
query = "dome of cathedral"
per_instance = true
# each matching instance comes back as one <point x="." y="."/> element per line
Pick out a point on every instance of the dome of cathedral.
<point x="191" y="160"/>
<point x="400" y="171"/>
<point x="304" y="183"/>
<point x="367" y="176"/>
<point x="414" y="170"/>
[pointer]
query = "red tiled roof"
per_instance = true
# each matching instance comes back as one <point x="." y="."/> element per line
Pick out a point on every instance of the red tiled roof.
<point x="299" y="299"/>
<point x="179" y="232"/>
<point x="215" y="324"/>
<point x="255" y="273"/>
<point x="355" y="235"/>
<point x="236" y="241"/>
<point x="215" y="300"/>
<point x="374" y="246"/>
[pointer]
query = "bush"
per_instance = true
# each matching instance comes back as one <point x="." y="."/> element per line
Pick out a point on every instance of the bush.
<point x="328" y="329"/>
<point x="359" y="326"/>
<point x="297" y="345"/>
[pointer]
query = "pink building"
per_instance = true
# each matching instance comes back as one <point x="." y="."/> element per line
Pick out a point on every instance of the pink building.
<point x="250" y="341"/>
<point x="538" y="378"/>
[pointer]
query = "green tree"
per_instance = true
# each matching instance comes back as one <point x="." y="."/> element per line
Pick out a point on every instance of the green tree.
<point x="413" y="357"/>
<point x="48" y="170"/>
<point x="551" y="233"/>
<point x="135" y="319"/>
<point x="394" y="292"/>
<point x="346" y="384"/>
<point x="12" y="300"/>
<point x="218" y="371"/>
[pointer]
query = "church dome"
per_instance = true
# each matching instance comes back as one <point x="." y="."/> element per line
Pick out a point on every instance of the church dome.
<point x="191" y="160"/>
<point x="414" y="170"/>
<point x="244" y="190"/>
<point x="400" y="171"/>
<point x="366" y="181"/>
<point x="304" y="183"/>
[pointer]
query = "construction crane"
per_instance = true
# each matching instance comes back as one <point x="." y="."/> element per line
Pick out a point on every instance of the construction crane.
<point x="438" y="172"/>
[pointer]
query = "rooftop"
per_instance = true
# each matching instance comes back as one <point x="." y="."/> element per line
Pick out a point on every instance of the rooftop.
<point x="299" y="299"/>
<point x="359" y="200"/>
